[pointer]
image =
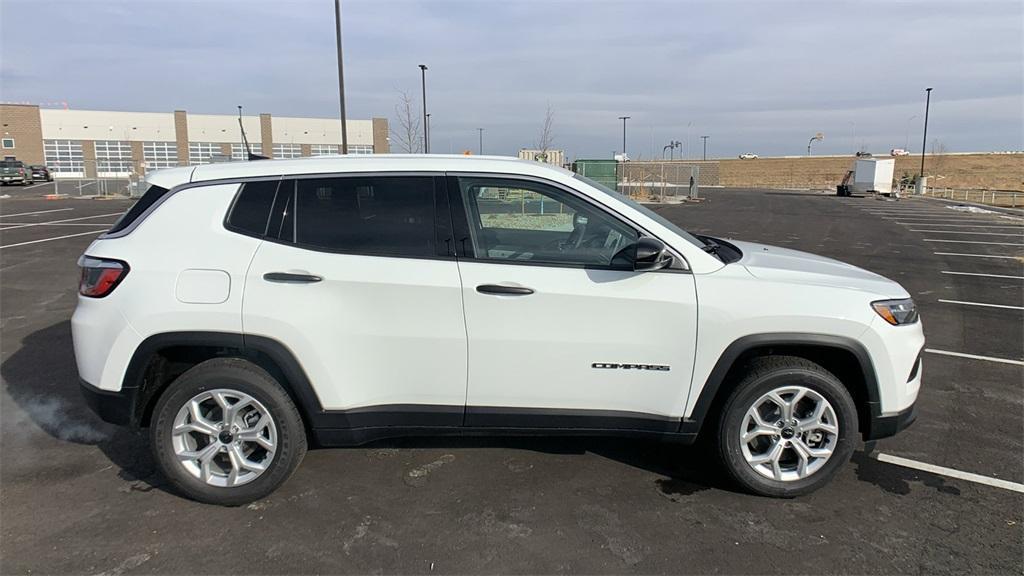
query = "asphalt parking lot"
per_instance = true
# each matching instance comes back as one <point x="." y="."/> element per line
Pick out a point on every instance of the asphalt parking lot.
<point x="78" y="496"/>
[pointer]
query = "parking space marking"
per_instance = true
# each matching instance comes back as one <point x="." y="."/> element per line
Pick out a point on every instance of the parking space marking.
<point x="985" y="275"/>
<point x="973" y="242"/>
<point x="93" y="232"/>
<point x="65" y="220"/>
<point x="941" y="225"/>
<point x="31" y="213"/>
<point x="1021" y="234"/>
<point x="23" y="224"/>
<point x="975" y="357"/>
<point x="950" y="472"/>
<point x="1008" y="307"/>
<point x="977" y="255"/>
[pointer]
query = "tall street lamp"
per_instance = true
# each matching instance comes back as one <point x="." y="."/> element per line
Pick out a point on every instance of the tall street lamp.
<point x="924" y="139"/>
<point x="705" y="139"/>
<point x="341" y="76"/>
<point x="624" y="118"/>
<point x="480" y="150"/>
<point x="426" y="126"/>
<point x="818" y="136"/>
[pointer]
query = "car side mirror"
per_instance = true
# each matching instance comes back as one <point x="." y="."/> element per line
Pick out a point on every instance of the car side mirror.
<point x="651" y="254"/>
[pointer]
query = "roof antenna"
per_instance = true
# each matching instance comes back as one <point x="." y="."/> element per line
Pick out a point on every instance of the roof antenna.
<point x="245" y="141"/>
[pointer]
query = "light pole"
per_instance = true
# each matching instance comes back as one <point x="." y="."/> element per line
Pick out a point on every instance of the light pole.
<point x="624" y="118"/>
<point x="705" y="139"/>
<point x="481" y="148"/>
<point x="341" y="77"/>
<point x="817" y="136"/>
<point x="924" y="139"/>
<point x="426" y="124"/>
<point x="906" y="136"/>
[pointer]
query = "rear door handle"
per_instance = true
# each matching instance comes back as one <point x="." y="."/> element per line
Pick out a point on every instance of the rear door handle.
<point x="288" y="278"/>
<point x="504" y="290"/>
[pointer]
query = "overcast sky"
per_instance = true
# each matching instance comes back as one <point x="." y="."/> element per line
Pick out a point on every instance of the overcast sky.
<point x="755" y="76"/>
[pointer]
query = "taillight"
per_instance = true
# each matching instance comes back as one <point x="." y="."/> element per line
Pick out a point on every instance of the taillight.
<point x="100" y="276"/>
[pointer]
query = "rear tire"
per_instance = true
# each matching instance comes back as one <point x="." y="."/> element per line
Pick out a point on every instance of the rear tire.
<point x="800" y="426"/>
<point x="226" y="432"/>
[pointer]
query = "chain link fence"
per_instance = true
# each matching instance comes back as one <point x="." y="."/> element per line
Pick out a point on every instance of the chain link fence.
<point x="665" y="181"/>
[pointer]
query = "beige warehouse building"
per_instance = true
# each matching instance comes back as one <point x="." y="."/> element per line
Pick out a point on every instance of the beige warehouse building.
<point x="106" y="144"/>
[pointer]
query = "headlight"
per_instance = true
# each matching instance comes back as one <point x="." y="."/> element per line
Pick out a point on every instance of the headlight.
<point x="896" y="312"/>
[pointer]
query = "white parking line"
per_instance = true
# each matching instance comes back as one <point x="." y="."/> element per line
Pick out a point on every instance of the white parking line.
<point x="974" y="242"/>
<point x="950" y="472"/>
<point x="977" y="255"/>
<point x="65" y="220"/>
<point x="985" y="275"/>
<point x="981" y="304"/>
<point x="22" y="224"/>
<point x="93" y="232"/>
<point x="967" y="232"/>
<point x="975" y="357"/>
<point x="943" y="225"/>
<point x="31" y="213"/>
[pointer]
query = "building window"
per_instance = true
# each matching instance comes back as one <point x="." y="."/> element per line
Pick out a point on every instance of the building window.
<point x="323" y="149"/>
<point x="113" y="158"/>
<point x="64" y="157"/>
<point x="8" y="142"/>
<point x="360" y="148"/>
<point x="159" y="155"/>
<point x="238" y="150"/>
<point x="287" y="150"/>
<point x="200" y="152"/>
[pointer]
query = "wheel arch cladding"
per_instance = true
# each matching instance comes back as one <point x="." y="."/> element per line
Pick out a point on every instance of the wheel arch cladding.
<point x="161" y="358"/>
<point x="844" y="357"/>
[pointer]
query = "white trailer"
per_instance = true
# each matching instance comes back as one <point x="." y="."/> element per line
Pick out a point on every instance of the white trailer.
<point x="873" y="175"/>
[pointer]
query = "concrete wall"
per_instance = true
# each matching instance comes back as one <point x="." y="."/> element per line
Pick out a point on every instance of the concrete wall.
<point x="22" y="122"/>
<point x="991" y="171"/>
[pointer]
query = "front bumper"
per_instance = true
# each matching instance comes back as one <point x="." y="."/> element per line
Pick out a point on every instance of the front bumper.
<point x="886" y="426"/>
<point x="113" y="407"/>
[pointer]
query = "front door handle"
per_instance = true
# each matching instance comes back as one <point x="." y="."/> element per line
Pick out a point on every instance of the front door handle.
<point x="504" y="290"/>
<point x="288" y="278"/>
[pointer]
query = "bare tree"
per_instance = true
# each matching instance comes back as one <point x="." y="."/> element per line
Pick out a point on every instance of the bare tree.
<point x="408" y="132"/>
<point x="547" y="135"/>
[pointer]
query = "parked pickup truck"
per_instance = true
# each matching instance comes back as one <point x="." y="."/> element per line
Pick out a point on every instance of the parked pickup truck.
<point x="14" y="172"/>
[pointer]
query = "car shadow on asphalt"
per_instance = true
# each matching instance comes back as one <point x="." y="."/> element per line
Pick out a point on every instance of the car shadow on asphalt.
<point x="42" y="379"/>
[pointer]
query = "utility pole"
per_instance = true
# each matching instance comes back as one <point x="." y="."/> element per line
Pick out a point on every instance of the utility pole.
<point x="624" y="118"/>
<point x="426" y="132"/>
<point x="426" y="125"/>
<point x="924" y="139"/>
<point x="341" y="77"/>
<point x="480" y="150"/>
<point x="705" y="139"/>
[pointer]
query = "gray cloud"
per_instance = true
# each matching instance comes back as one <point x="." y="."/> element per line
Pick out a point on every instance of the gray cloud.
<point x="756" y="76"/>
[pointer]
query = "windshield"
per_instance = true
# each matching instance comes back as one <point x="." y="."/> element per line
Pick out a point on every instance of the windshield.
<point x="645" y="210"/>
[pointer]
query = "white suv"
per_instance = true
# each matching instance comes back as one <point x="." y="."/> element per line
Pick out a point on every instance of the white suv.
<point x="242" y="310"/>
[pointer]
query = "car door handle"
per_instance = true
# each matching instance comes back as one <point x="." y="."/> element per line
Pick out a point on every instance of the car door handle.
<point x="288" y="278"/>
<point x="504" y="290"/>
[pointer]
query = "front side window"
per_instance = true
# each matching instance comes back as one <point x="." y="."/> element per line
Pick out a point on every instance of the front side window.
<point x="384" y="216"/>
<point x="521" y="221"/>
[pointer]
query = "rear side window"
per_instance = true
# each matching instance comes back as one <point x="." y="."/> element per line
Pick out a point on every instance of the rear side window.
<point x="152" y="195"/>
<point x="387" y="215"/>
<point x="251" y="210"/>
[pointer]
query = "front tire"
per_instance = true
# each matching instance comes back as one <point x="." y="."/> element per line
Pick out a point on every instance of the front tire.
<point x="225" y="432"/>
<point x="787" y="428"/>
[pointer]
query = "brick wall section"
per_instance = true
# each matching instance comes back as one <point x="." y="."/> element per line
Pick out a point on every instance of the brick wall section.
<point x="267" y="135"/>
<point x="22" y="122"/>
<point x="137" y="158"/>
<point x="976" y="171"/>
<point x="181" y="136"/>
<point x="225" y="149"/>
<point x="307" y="150"/>
<point x="89" y="157"/>
<point x="380" y="136"/>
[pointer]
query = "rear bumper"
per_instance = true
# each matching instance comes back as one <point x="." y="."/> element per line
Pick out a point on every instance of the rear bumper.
<point x="113" y="407"/>
<point x="890" y="425"/>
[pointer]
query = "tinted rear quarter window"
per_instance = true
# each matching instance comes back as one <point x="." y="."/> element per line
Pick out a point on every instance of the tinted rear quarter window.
<point x="152" y="195"/>
<point x="251" y="210"/>
<point x="387" y="216"/>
